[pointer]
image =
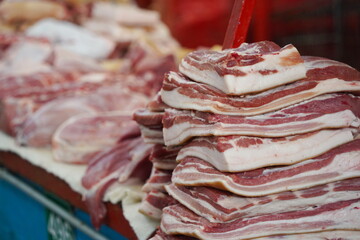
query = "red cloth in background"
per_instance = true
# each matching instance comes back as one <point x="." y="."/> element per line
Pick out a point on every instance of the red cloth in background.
<point x="196" y="23"/>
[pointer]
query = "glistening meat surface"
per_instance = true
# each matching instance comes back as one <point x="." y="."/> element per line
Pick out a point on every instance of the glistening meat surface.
<point x="337" y="164"/>
<point x="326" y="111"/>
<point x="323" y="76"/>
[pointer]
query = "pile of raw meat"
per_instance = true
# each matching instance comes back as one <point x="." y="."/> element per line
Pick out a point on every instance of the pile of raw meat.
<point x="73" y="88"/>
<point x="255" y="142"/>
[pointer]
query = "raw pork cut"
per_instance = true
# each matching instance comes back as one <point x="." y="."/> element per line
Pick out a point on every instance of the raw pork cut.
<point x="339" y="163"/>
<point x="250" y="68"/>
<point x="154" y="202"/>
<point x="127" y="158"/>
<point x="327" y="235"/>
<point x="157" y="180"/>
<point x="164" y="157"/>
<point x="323" y="76"/>
<point x="40" y="126"/>
<point x="160" y="235"/>
<point x="326" y="111"/>
<point x="81" y="136"/>
<point x="241" y="153"/>
<point x="72" y="38"/>
<point x="150" y="124"/>
<point x="221" y="206"/>
<point x="341" y="215"/>
<point x="15" y="109"/>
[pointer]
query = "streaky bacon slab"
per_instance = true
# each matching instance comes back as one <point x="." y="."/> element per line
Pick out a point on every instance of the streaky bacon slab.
<point x="325" y="235"/>
<point x="337" y="164"/>
<point x="24" y="102"/>
<point x="154" y="202"/>
<point x="341" y="215"/>
<point x="38" y="129"/>
<point x="241" y="153"/>
<point x="323" y="76"/>
<point x="150" y="123"/>
<point x="253" y="67"/>
<point x="160" y="235"/>
<point x="326" y="111"/>
<point x="157" y="180"/>
<point x="221" y="206"/>
<point x="83" y="135"/>
<point x="116" y="162"/>
<point x="128" y="158"/>
<point x="164" y="157"/>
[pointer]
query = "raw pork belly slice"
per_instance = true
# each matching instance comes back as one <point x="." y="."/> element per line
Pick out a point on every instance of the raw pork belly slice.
<point x="250" y="68"/>
<point x="241" y="153"/>
<point x="38" y="129"/>
<point x="337" y="164"/>
<point x="164" y="157"/>
<point x="154" y="202"/>
<point x="160" y="235"/>
<point x="157" y="180"/>
<point x="129" y="158"/>
<point x="19" y="106"/>
<point x="81" y="136"/>
<point x="150" y="124"/>
<point x="117" y="162"/>
<point x="323" y="76"/>
<point x="326" y="111"/>
<point x="148" y="118"/>
<point x="220" y="206"/>
<point x="326" y="235"/>
<point x="341" y="215"/>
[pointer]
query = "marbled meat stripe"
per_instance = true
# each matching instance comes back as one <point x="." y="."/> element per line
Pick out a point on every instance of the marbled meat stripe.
<point x="337" y="164"/>
<point x="154" y="202"/>
<point x="252" y="67"/>
<point x="157" y="180"/>
<point x="342" y="215"/>
<point x="323" y="76"/>
<point x="221" y="206"/>
<point x="326" y="111"/>
<point x="164" y="157"/>
<point x="241" y="153"/>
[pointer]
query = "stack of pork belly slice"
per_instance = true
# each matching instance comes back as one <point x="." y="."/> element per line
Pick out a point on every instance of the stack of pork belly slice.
<point x="163" y="159"/>
<point x="269" y="146"/>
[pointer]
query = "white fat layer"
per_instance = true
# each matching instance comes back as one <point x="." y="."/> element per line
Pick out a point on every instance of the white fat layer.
<point x="323" y="235"/>
<point x="323" y="63"/>
<point x="343" y="166"/>
<point x="70" y="148"/>
<point x="150" y="210"/>
<point x="236" y="203"/>
<point x="253" y="80"/>
<point x="179" y="133"/>
<point x="151" y="135"/>
<point x="177" y="100"/>
<point x="269" y="152"/>
<point x="346" y="218"/>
